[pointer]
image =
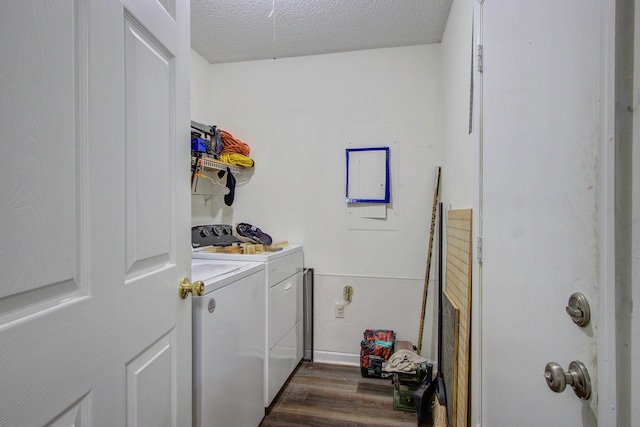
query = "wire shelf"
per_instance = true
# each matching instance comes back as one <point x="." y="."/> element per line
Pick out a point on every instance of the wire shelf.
<point x="209" y="163"/>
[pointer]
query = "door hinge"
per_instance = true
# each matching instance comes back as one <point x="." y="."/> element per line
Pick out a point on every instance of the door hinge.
<point x="479" y="58"/>
<point x="479" y="249"/>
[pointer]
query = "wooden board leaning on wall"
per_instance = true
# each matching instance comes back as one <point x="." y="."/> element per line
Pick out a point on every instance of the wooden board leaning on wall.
<point x="458" y="292"/>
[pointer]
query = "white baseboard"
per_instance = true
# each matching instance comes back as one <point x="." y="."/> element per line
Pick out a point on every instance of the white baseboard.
<point x="336" y="358"/>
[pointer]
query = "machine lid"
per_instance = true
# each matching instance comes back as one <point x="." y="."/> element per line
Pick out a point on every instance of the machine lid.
<point x="208" y="270"/>
<point x="216" y="274"/>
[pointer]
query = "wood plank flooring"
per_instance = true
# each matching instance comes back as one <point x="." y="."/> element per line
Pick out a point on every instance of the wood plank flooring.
<point x="333" y="395"/>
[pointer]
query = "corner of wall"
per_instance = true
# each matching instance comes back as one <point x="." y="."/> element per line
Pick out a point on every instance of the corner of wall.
<point x="200" y="88"/>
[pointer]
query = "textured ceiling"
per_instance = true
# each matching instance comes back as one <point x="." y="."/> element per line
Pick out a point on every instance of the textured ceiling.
<point x="245" y="30"/>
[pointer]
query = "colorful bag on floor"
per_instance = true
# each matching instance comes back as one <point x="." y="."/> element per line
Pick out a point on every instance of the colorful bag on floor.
<point x="375" y="350"/>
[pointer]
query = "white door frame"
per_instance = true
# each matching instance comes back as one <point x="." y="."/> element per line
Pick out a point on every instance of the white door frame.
<point x="607" y="369"/>
<point x="607" y="351"/>
<point x="476" y="274"/>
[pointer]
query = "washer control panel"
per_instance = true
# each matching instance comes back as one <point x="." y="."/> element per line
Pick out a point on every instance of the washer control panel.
<point x="212" y="235"/>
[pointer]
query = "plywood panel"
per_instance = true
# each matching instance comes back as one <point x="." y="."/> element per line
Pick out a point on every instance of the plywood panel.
<point x="450" y="348"/>
<point x="458" y="291"/>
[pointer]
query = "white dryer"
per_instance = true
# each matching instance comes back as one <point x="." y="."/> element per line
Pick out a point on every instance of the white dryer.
<point x="284" y="342"/>
<point x="228" y="343"/>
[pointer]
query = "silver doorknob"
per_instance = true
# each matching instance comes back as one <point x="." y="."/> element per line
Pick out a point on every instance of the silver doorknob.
<point x="577" y="377"/>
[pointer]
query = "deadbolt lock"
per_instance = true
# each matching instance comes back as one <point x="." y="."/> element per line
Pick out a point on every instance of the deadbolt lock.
<point x="578" y="309"/>
<point x="195" y="288"/>
<point x="577" y="377"/>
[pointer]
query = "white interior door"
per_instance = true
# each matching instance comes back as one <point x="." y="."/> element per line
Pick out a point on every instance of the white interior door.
<point x="95" y="213"/>
<point x="545" y="208"/>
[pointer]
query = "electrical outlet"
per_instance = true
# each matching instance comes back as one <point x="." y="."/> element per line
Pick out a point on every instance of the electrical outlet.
<point x="339" y="310"/>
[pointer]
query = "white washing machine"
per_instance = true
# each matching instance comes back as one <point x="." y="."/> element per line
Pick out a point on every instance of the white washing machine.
<point x="282" y="287"/>
<point x="228" y="343"/>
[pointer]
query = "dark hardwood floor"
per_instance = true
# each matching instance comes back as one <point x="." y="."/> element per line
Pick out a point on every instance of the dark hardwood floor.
<point x="333" y="395"/>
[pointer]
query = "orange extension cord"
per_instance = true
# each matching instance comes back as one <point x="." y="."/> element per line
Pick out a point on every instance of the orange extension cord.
<point x="232" y="145"/>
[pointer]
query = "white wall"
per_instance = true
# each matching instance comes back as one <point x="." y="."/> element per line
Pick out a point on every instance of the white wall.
<point x="459" y="153"/>
<point x="200" y="88"/>
<point x="201" y="112"/>
<point x="298" y="115"/>
<point x="458" y="165"/>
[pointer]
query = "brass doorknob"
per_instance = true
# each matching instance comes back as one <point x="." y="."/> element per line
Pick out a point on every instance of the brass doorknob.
<point x="196" y="288"/>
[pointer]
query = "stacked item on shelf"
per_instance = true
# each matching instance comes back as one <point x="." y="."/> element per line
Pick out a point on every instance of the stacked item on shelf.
<point x="213" y="143"/>
<point x="235" y="151"/>
<point x="205" y="139"/>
